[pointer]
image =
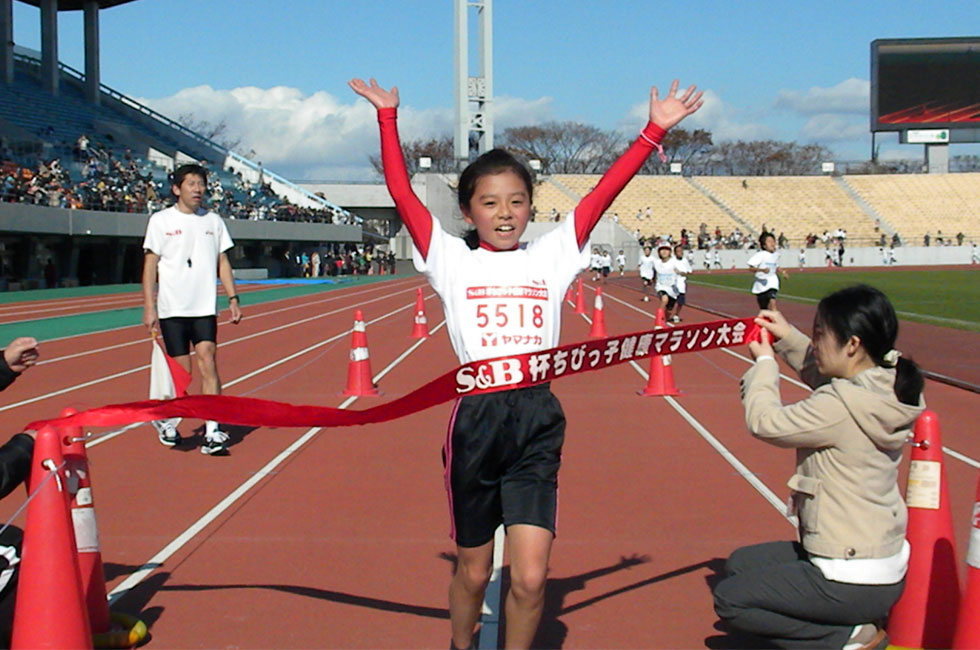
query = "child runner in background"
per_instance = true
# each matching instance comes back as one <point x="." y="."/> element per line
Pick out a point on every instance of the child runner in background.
<point x="682" y="267"/>
<point x="974" y="254"/>
<point x="664" y="269"/>
<point x="802" y="258"/>
<point x="766" y="265"/>
<point x="504" y="449"/>
<point x="605" y="263"/>
<point x="595" y="263"/>
<point x="647" y="260"/>
<point x="829" y="589"/>
<point x="717" y="257"/>
<point x="621" y="262"/>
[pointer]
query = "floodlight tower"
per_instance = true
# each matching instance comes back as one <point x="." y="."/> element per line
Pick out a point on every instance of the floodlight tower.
<point x="474" y="95"/>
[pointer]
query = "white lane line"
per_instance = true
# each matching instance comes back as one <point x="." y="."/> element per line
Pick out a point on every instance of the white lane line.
<point x="112" y="434"/>
<point x="250" y="316"/>
<point x="955" y="454"/>
<point x="958" y="456"/>
<point x="238" y="340"/>
<point x="729" y="457"/>
<point x="158" y="560"/>
<point x="490" y="616"/>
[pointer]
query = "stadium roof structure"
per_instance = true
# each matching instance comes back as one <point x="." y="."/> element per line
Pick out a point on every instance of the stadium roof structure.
<point x="78" y="5"/>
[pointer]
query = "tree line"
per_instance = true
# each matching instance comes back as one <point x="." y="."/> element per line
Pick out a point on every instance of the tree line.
<point x="576" y="148"/>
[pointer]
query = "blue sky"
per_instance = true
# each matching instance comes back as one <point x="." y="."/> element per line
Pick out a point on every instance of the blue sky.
<point x="276" y="71"/>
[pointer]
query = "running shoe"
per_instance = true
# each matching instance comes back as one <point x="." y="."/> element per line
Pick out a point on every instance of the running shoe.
<point x="216" y="443"/>
<point x="167" y="433"/>
<point x="676" y="318"/>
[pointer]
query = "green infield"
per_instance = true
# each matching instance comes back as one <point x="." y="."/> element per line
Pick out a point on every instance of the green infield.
<point x="939" y="297"/>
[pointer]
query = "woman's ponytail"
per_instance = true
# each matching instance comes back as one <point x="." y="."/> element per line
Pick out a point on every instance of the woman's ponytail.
<point x="909" y="381"/>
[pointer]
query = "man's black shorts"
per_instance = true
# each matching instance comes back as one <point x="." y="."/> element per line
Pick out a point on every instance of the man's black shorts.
<point x="181" y="332"/>
<point x="671" y="301"/>
<point x="605" y="271"/>
<point x="502" y="456"/>
<point x="765" y="297"/>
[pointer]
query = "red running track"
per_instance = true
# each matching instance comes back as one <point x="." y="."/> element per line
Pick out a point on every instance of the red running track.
<point x="345" y="542"/>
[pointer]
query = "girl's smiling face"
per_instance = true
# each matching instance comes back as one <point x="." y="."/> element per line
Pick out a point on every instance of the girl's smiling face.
<point x="499" y="209"/>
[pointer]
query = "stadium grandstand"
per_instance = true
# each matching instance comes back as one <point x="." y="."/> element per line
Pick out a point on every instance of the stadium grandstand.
<point x="82" y="166"/>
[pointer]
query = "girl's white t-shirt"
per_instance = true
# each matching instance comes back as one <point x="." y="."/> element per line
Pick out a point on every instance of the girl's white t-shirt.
<point x="500" y="303"/>
<point x="188" y="246"/>
<point x="665" y="276"/>
<point x="646" y="265"/>
<point x="766" y="264"/>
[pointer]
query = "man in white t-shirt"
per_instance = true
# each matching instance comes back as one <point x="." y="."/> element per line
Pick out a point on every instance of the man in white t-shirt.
<point x="647" y="260"/>
<point x="766" y="266"/>
<point x="682" y="267"/>
<point x="186" y="245"/>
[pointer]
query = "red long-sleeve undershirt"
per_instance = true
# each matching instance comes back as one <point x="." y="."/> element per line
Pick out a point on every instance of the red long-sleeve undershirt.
<point x="418" y="220"/>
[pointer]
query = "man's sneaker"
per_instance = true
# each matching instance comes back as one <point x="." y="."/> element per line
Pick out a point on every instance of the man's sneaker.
<point x="166" y="433"/>
<point x="676" y="318"/>
<point x="215" y="444"/>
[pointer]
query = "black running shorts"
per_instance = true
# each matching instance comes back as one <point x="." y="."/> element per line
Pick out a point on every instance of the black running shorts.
<point x="502" y="456"/>
<point x="671" y="301"/>
<point x="765" y="297"/>
<point x="181" y="332"/>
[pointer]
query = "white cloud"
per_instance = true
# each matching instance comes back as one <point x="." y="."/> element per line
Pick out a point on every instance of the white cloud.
<point x="849" y="96"/>
<point x="833" y="127"/>
<point x="723" y="121"/>
<point x="318" y="136"/>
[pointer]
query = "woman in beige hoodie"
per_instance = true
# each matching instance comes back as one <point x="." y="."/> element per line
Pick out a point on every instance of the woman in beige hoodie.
<point x="833" y="588"/>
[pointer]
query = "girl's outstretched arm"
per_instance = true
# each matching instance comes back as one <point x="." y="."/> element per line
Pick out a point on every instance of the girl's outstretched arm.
<point x="417" y="218"/>
<point x="664" y="114"/>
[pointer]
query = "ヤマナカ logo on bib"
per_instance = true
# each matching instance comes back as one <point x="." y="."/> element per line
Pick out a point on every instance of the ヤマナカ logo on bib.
<point x="492" y="374"/>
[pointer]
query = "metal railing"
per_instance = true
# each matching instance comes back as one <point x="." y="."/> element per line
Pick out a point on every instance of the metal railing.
<point x="183" y="130"/>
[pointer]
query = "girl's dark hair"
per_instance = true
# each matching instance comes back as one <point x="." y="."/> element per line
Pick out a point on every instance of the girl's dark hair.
<point x="866" y="313"/>
<point x="495" y="161"/>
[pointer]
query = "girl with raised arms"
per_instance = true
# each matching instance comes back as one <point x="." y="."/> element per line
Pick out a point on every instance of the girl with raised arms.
<point x="500" y="298"/>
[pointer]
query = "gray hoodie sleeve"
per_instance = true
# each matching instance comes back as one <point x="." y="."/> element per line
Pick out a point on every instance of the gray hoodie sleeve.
<point x="813" y="422"/>
<point x="797" y="350"/>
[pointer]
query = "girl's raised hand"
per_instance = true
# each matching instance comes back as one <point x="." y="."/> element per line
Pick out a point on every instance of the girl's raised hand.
<point x="670" y="110"/>
<point x="375" y="94"/>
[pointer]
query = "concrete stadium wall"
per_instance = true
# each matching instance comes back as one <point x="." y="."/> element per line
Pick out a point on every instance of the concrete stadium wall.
<point x="34" y="219"/>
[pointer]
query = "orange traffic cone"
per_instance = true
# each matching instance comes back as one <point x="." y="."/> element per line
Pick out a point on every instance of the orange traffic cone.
<point x="50" y="610"/>
<point x="968" y="624"/>
<point x="579" y="297"/>
<point x="569" y="297"/>
<point x="82" y="509"/>
<point x="661" y="380"/>
<point x="420" y="329"/>
<point x="925" y="615"/>
<point x="359" y="382"/>
<point x="598" y="330"/>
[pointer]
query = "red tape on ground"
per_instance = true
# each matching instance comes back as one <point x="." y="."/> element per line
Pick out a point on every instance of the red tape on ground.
<point x="478" y="377"/>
